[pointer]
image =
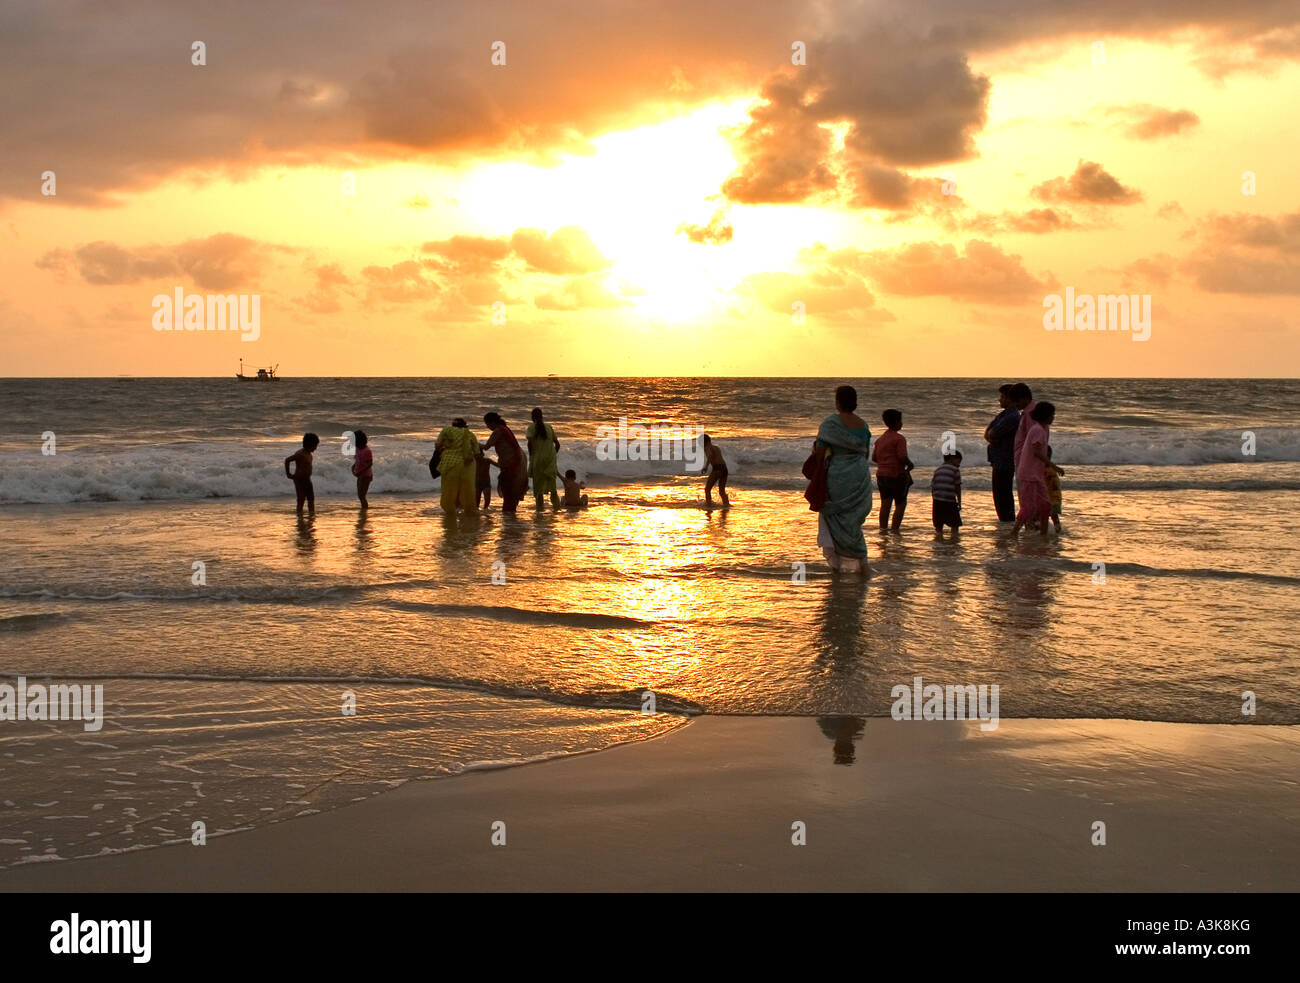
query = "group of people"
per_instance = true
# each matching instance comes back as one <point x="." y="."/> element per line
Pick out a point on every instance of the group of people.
<point x="464" y="467"/>
<point x="1018" y="451"/>
<point x="1021" y="457"/>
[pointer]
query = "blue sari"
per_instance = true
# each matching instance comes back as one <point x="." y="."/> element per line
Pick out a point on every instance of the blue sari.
<point x="848" y="481"/>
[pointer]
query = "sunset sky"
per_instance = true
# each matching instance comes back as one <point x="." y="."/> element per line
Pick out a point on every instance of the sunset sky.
<point x="651" y="189"/>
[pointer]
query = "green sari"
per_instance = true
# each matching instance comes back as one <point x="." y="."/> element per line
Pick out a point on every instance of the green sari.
<point x="848" y="483"/>
<point x="543" y="465"/>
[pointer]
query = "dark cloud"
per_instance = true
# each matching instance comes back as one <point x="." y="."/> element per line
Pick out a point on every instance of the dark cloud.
<point x="900" y="105"/>
<point x="105" y="95"/>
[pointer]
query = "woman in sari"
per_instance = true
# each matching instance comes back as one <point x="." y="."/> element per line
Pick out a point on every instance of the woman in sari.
<point x="457" y="466"/>
<point x="510" y="457"/>
<point x="845" y="439"/>
<point x="542" y="448"/>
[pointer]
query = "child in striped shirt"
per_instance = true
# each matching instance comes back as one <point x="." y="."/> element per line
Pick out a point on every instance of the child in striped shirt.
<point x="945" y="486"/>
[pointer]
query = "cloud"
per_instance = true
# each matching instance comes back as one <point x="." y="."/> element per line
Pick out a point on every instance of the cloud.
<point x="401" y="283"/>
<point x="1143" y="121"/>
<point x="1150" y="271"/>
<point x="907" y="104"/>
<point x="981" y="272"/>
<point x="1247" y="254"/>
<point x="783" y="149"/>
<point x="566" y="251"/>
<point x="105" y="94"/>
<point x="1034" y="221"/>
<point x="822" y="287"/>
<point x="717" y="232"/>
<point x="330" y="282"/>
<point x="468" y="254"/>
<point x="1090" y="184"/>
<point x="580" y="293"/>
<point x="219" y="262"/>
<point x="121" y="107"/>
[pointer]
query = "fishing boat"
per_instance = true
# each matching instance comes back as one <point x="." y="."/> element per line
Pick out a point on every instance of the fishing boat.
<point x="263" y="375"/>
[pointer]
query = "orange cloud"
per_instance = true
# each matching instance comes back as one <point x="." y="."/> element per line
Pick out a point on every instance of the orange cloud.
<point x="219" y="262"/>
<point x="1247" y="254"/>
<point x="982" y="272"/>
<point x="717" y="232"/>
<point x="1090" y="184"/>
<point x="580" y="293"/>
<point x="1143" y="121"/>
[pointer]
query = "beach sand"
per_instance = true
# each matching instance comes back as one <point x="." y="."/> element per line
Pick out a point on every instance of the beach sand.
<point x="925" y="806"/>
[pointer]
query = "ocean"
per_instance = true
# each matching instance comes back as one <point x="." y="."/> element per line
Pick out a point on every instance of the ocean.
<point x="156" y="553"/>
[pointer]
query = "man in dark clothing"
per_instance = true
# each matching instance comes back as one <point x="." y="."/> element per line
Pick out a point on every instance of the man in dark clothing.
<point x="1001" y="437"/>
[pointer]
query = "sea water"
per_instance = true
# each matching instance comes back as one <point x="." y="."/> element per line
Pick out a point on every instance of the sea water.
<point x="156" y="552"/>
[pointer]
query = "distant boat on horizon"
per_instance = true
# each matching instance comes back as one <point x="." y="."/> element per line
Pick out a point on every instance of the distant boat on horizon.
<point x="263" y="375"/>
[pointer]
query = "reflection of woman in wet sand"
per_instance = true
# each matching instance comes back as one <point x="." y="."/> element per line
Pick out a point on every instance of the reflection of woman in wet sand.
<point x="844" y="731"/>
<point x="845" y="439"/>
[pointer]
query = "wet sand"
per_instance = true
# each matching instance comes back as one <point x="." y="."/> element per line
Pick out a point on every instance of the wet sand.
<point x="924" y="806"/>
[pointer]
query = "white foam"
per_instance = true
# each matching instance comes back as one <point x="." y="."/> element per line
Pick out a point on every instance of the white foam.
<point x="241" y="470"/>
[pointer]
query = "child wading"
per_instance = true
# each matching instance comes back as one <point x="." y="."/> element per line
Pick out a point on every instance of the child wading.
<point x="893" y="469"/>
<point x="1053" y="475"/>
<point x="301" y="474"/>
<point x="573" y="496"/>
<point x="362" y="466"/>
<point x="945" y="487"/>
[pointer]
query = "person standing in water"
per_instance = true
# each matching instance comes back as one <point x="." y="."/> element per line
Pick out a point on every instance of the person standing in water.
<point x="845" y="438"/>
<point x="363" y="466"/>
<point x="1001" y="437"/>
<point x="459" y="449"/>
<point x="542" y="450"/>
<point x="893" y="470"/>
<point x="510" y="459"/>
<point x="1035" y="500"/>
<point x="1023" y="400"/>
<point x="717" y="474"/>
<point x="301" y="474"/>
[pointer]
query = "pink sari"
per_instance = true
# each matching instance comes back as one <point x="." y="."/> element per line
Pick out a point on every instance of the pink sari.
<point x="1031" y="477"/>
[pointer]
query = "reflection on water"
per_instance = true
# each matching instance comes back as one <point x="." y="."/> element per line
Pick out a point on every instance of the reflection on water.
<point x="363" y="534"/>
<point x="841" y="638"/>
<point x="306" y="537"/>
<point x="843" y="732"/>
<point x="649" y="591"/>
